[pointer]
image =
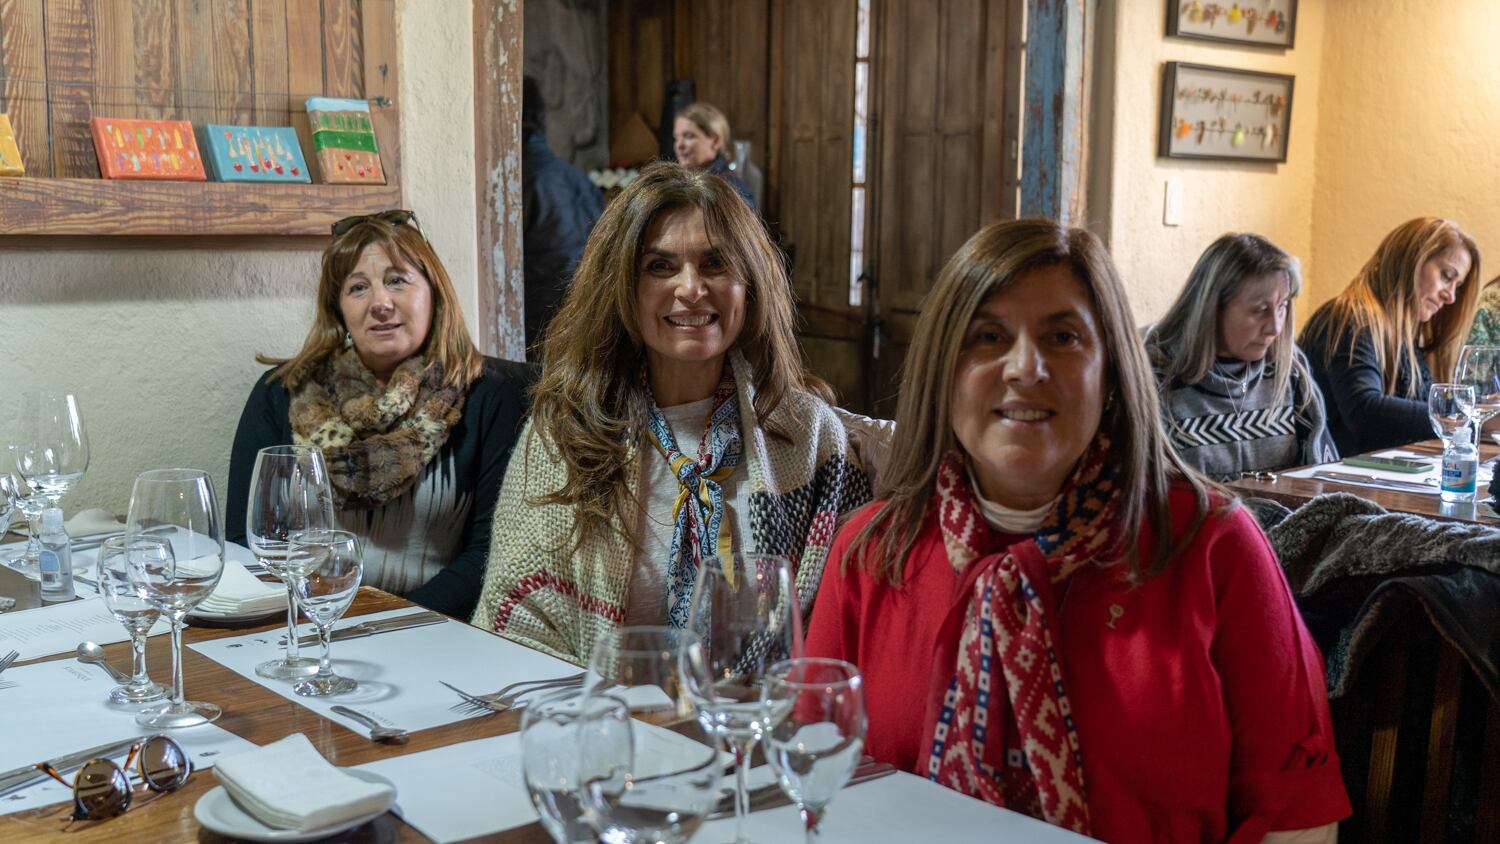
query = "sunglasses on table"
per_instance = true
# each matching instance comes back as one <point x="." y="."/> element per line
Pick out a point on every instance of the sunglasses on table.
<point x="102" y="789"/>
<point x="396" y="217"/>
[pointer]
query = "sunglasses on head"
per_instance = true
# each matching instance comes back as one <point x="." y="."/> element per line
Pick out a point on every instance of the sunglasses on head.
<point x="396" y="217"/>
<point x="102" y="789"/>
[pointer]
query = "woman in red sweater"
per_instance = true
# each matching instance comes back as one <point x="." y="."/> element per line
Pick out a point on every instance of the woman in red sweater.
<point x="1051" y="612"/>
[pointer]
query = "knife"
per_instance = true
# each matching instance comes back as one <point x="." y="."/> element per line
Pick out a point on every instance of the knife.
<point x="1350" y="477"/>
<point x="771" y="795"/>
<point x="24" y="776"/>
<point x="384" y="625"/>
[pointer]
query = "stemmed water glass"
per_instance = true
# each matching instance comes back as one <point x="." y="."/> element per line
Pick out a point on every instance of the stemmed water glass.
<point x="1448" y="408"/>
<point x="329" y="565"/>
<point x="1479" y="367"/>
<point x="649" y="762"/>
<point x="22" y="499"/>
<point x="289" y="493"/>
<point x="174" y="576"/>
<point x="814" y="710"/>
<point x="128" y="607"/>
<point x="550" y="756"/>
<point x="51" y="449"/>
<point x="743" y="617"/>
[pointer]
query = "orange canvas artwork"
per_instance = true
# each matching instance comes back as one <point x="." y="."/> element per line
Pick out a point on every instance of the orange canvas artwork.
<point x="147" y="149"/>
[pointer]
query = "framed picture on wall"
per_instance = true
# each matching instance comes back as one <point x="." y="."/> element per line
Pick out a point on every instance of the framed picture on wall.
<point x="1223" y="113"/>
<point x="1264" y="23"/>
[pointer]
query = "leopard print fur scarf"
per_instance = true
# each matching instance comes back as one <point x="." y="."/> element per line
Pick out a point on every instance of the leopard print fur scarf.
<point x="375" y="441"/>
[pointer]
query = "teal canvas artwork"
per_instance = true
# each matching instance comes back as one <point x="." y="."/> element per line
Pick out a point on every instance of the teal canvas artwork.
<point x="254" y="153"/>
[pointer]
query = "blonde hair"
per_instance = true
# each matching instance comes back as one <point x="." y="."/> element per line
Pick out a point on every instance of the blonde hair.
<point x="711" y="121"/>
<point x="590" y="401"/>
<point x="993" y="260"/>
<point x="1185" y="343"/>
<point x="1382" y="299"/>
<point x="447" y="340"/>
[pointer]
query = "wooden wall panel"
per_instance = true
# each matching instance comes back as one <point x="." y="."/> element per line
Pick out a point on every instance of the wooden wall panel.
<point x="233" y="77"/>
<point x="343" y="72"/>
<point x="114" y="45"/>
<point x="154" y="43"/>
<point x="23" y="62"/>
<point x="268" y="54"/>
<point x="197" y="96"/>
<point x="70" y="75"/>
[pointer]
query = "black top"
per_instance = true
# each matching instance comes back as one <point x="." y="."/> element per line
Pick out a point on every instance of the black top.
<point x="560" y="208"/>
<point x="478" y="446"/>
<point x="1362" y="416"/>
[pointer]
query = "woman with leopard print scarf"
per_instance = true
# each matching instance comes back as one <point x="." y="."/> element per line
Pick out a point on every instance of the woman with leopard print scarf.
<point x="415" y="424"/>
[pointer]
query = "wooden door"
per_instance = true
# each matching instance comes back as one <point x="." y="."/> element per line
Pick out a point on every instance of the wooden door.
<point x="946" y="99"/>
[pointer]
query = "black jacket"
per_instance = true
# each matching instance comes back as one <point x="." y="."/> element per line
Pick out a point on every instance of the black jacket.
<point x="1361" y="415"/>
<point x="560" y="206"/>
<point x="479" y="445"/>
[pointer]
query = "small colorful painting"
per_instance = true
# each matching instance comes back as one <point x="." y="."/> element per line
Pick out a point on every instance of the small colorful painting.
<point x="254" y="153"/>
<point x="10" y="154"/>
<point x="147" y="149"/>
<point x="344" y="141"/>
<point x="1224" y="113"/>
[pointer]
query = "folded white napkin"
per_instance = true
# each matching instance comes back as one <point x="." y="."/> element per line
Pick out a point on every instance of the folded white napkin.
<point x="287" y="784"/>
<point x="239" y="593"/>
<point x="92" y="521"/>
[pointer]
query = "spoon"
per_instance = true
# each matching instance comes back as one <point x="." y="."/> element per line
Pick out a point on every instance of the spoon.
<point x="92" y="654"/>
<point x="378" y="731"/>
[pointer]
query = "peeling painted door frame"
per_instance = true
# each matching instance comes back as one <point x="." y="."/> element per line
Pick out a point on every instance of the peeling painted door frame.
<point x="497" y="176"/>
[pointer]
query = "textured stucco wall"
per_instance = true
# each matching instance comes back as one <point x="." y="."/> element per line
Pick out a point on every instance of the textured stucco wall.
<point x="1275" y="200"/>
<point x="1410" y="120"/>
<point x="159" y="344"/>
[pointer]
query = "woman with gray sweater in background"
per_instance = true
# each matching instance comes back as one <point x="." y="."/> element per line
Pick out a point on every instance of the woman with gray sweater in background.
<point x="1237" y="394"/>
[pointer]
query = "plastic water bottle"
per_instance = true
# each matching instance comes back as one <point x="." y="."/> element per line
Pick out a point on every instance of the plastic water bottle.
<point x="56" y="557"/>
<point x="1460" y="467"/>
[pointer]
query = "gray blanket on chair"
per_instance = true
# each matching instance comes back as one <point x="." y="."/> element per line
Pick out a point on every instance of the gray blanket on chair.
<point x="1356" y="568"/>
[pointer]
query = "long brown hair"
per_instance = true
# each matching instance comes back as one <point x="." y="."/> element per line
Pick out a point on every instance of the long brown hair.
<point x="993" y="260"/>
<point x="590" y="403"/>
<point x="448" y="340"/>
<point x="712" y="122"/>
<point x="1184" y="344"/>
<point x="1382" y="299"/>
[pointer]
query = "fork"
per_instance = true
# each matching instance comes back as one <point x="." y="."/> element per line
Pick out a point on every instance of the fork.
<point x="509" y="696"/>
<point x="6" y="660"/>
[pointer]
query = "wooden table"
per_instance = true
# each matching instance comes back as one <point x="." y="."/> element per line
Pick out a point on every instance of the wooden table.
<point x="257" y="714"/>
<point x="1294" y="492"/>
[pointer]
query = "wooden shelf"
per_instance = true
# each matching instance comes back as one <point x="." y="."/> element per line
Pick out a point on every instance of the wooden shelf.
<point x="103" y="207"/>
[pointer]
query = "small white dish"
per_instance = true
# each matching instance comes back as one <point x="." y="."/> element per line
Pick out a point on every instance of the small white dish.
<point x="218" y="812"/>
<point x="1495" y="437"/>
<point x="236" y="618"/>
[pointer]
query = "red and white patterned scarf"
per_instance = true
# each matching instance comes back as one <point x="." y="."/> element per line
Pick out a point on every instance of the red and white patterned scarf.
<point x="1018" y="749"/>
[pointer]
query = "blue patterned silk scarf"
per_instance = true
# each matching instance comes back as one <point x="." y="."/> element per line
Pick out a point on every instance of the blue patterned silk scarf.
<point x="700" y="517"/>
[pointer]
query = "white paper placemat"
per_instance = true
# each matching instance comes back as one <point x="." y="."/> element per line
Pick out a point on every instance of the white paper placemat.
<point x="58" y="628"/>
<point x="58" y="707"/>
<point x="1431" y="478"/>
<point x="398" y="672"/>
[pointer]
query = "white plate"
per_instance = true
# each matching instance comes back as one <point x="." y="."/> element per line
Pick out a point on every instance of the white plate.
<point x="238" y="618"/>
<point x="218" y="811"/>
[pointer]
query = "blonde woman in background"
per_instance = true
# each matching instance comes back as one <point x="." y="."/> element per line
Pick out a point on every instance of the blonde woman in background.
<point x="1237" y="394"/>
<point x="702" y="141"/>
<point x="1374" y="348"/>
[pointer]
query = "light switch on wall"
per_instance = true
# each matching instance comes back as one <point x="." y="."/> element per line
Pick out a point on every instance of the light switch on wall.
<point x="1171" y="209"/>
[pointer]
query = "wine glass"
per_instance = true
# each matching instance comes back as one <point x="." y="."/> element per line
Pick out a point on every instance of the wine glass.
<point x="30" y="505"/>
<point x="1448" y="408"/>
<point x="51" y="449"/>
<point x="1479" y="367"/>
<point x="329" y="566"/>
<point x="743" y="617"/>
<point x="550" y="757"/>
<point x="130" y="609"/>
<point x="649" y="761"/>
<point x="174" y="576"/>
<point x="289" y="493"/>
<point x="814" y="711"/>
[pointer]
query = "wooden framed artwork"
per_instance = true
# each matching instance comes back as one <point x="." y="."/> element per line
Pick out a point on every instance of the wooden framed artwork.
<point x="1223" y="113"/>
<point x="1262" y="23"/>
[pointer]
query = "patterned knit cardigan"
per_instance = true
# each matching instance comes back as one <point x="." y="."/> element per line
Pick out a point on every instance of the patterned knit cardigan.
<point x="538" y="593"/>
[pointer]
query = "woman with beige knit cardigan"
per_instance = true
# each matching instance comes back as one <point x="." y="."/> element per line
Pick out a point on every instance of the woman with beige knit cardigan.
<point x="673" y="421"/>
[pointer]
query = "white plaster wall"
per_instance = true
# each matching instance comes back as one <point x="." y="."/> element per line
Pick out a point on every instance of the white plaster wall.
<point x="1275" y="200"/>
<point x="160" y="344"/>
<point x="1410" y="108"/>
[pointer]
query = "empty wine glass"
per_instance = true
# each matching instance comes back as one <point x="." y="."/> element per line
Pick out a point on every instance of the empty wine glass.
<point x="51" y="449"/>
<point x="814" y="710"/>
<point x="550" y="757"/>
<point x="24" y="500"/>
<point x="289" y="494"/>
<point x="1479" y="367"/>
<point x="180" y="506"/>
<point x="329" y="566"/>
<point x="1448" y="408"/>
<point x="130" y="609"/>
<point x="743" y="617"/>
<point x="649" y="762"/>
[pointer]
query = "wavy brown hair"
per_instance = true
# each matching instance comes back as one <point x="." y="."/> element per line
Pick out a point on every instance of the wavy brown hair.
<point x="993" y="260"/>
<point x="448" y="341"/>
<point x="1382" y="299"/>
<point x="590" y="402"/>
